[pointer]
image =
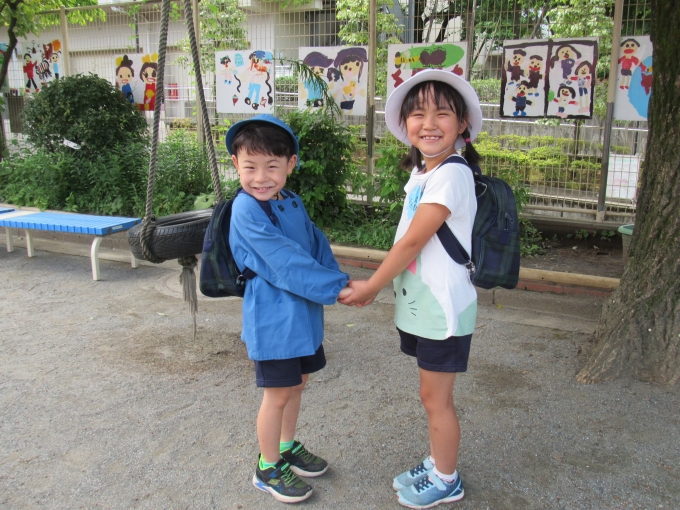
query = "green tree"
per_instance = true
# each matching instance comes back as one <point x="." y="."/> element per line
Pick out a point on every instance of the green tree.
<point x="355" y="14"/>
<point x="21" y="17"/>
<point x="639" y="330"/>
<point x="585" y="18"/>
<point x="221" y="25"/>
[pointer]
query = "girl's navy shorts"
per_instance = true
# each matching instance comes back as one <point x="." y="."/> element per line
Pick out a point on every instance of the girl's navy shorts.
<point x="450" y="355"/>
<point x="285" y="373"/>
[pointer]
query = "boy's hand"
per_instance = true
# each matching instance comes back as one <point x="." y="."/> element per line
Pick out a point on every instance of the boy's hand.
<point x="344" y="294"/>
<point x="361" y="294"/>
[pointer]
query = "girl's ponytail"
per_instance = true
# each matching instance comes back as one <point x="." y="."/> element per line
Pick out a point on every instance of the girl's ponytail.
<point x="412" y="159"/>
<point x="471" y="155"/>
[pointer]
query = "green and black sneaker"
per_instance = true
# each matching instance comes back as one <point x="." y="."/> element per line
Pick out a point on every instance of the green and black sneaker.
<point x="281" y="483"/>
<point x="304" y="463"/>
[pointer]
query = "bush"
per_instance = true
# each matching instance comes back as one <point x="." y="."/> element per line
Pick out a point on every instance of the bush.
<point x="84" y="109"/>
<point x="325" y="163"/>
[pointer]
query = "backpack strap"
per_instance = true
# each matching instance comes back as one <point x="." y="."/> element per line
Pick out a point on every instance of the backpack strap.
<point x="446" y="237"/>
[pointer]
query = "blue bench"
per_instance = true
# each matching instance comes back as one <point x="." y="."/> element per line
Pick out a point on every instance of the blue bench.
<point x="5" y="209"/>
<point x="98" y="226"/>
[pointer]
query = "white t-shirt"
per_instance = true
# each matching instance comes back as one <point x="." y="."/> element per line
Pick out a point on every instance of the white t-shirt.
<point x="434" y="296"/>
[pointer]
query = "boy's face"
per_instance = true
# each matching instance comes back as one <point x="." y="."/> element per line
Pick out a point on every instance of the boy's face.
<point x="263" y="175"/>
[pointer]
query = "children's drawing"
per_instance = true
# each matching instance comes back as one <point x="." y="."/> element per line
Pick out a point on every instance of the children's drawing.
<point x="405" y="60"/>
<point x="551" y="77"/>
<point x="148" y="74"/>
<point x="345" y="70"/>
<point x="41" y="64"/>
<point x="129" y="78"/>
<point x="245" y="81"/>
<point x="634" y="78"/>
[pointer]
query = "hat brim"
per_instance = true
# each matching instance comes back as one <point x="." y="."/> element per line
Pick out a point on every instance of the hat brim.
<point x="393" y="105"/>
<point x="263" y="117"/>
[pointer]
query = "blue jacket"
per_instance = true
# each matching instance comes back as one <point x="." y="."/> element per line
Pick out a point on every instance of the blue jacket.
<point x="296" y="275"/>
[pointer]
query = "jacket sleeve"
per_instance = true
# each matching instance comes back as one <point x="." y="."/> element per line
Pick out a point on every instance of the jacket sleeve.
<point x="321" y="248"/>
<point x="281" y="261"/>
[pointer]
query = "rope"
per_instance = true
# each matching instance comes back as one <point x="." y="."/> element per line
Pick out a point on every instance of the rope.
<point x="188" y="281"/>
<point x="204" y="109"/>
<point x="149" y="224"/>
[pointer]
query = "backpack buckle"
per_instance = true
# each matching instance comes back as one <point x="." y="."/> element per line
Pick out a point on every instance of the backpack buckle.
<point x="240" y="280"/>
<point x="471" y="268"/>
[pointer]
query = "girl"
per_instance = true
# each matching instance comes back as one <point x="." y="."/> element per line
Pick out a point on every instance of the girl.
<point x="436" y="112"/>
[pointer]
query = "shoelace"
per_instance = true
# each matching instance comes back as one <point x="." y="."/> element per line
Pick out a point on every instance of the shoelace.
<point x="302" y="452"/>
<point x="287" y="475"/>
<point x="420" y="468"/>
<point x="423" y="485"/>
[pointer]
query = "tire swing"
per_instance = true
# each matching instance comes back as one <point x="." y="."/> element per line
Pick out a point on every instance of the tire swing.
<point x="178" y="236"/>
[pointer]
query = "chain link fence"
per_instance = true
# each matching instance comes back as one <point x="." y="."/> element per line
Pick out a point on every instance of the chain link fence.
<point x="560" y="161"/>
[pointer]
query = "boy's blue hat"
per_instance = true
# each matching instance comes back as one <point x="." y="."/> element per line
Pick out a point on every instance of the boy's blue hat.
<point x="263" y="117"/>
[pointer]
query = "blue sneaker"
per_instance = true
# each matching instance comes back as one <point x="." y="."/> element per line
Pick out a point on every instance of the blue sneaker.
<point x="430" y="491"/>
<point x="281" y="482"/>
<point x="408" y="478"/>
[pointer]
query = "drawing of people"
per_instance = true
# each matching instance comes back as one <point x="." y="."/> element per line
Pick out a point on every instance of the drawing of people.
<point x="312" y="93"/>
<point x="646" y="80"/>
<point x="521" y="100"/>
<point x="148" y="75"/>
<point x="350" y="62"/>
<point x="566" y="55"/>
<point x="124" y="75"/>
<point x="514" y="66"/>
<point x="258" y="75"/>
<point x="535" y="67"/>
<point x="565" y="96"/>
<point x="229" y="72"/>
<point x="29" y="68"/>
<point x="54" y="58"/>
<point x="628" y="61"/>
<point x="584" y="81"/>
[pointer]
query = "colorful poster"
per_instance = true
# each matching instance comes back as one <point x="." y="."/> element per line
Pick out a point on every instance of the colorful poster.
<point x="551" y="77"/>
<point x="245" y="81"/>
<point x="40" y="62"/>
<point x="634" y="78"/>
<point x="405" y="60"/>
<point x="345" y="70"/>
<point x="136" y="79"/>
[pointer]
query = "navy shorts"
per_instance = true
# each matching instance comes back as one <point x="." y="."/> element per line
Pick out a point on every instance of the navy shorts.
<point x="285" y="373"/>
<point x="450" y="355"/>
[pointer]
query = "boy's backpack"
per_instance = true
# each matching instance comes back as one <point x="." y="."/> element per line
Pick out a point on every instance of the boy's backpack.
<point x="495" y="233"/>
<point x="220" y="277"/>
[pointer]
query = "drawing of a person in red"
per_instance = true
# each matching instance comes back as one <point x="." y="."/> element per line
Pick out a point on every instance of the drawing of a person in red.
<point x="148" y="75"/>
<point x="29" y="70"/>
<point x="629" y="47"/>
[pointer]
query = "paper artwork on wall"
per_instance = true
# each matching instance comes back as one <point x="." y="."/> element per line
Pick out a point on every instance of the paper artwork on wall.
<point x="550" y="77"/>
<point x="40" y="62"/>
<point x="136" y="76"/>
<point x="633" y="78"/>
<point x="345" y="71"/>
<point x="245" y="81"/>
<point x="405" y="60"/>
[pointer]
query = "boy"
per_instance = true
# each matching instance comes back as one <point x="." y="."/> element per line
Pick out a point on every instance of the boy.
<point x="283" y="305"/>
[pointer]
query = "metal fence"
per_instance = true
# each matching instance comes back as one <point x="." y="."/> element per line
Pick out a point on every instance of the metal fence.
<point x="564" y="162"/>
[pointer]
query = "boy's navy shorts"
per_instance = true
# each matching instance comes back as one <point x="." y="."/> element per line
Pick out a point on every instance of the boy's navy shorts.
<point x="285" y="373"/>
<point x="450" y="355"/>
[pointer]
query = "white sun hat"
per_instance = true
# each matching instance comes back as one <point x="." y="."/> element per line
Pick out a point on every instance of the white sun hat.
<point x="393" y="106"/>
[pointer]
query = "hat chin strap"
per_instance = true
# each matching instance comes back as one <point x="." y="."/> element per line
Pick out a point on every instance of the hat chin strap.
<point x="438" y="154"/>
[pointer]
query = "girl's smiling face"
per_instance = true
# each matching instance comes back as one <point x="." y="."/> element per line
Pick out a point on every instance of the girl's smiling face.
<point x="431" y="127"/>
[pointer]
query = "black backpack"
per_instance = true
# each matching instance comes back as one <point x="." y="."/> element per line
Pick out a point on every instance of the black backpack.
<point x="495" y="233"/>
<point x="220" y="277"/>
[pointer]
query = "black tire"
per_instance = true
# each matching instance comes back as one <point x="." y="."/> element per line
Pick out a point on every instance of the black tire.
<point x="175" y="236"/>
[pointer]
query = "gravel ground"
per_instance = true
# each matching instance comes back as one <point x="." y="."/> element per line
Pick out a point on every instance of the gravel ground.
<point x="106" y="402"/>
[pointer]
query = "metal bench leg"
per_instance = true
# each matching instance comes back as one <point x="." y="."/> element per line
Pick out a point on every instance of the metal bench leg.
<point x="8" y="239"/>
<point x="94" y="255"/>
<point x="29" y="243"/>
<point x="133" y="261"/>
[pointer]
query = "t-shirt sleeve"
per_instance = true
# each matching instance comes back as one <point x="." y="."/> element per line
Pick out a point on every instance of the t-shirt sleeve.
<point x="282" y="261"/>
<point x="448" y="186"/>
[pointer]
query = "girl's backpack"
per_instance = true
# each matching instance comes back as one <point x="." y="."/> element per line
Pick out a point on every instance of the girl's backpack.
<point x="220" y="276"/>
<point x="495" y="233"/>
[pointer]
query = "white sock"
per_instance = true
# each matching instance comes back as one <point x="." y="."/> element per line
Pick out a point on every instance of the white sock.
<point x="431" y="459"/>
<point x="445" y="478"/>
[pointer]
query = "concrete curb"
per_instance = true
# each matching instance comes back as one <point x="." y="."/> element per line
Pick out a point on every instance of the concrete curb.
<point x="536" y="280"/>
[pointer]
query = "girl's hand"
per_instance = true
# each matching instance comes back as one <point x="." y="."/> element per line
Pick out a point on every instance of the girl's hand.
<point x="361" y="294"/>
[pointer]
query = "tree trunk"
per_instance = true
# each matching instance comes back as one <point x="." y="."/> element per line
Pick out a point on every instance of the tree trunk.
<point x="11" y="46"/>
<point x="639" y="330"/>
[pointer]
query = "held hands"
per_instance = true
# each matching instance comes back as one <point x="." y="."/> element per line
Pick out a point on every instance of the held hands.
<point x="358" y="293"/>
